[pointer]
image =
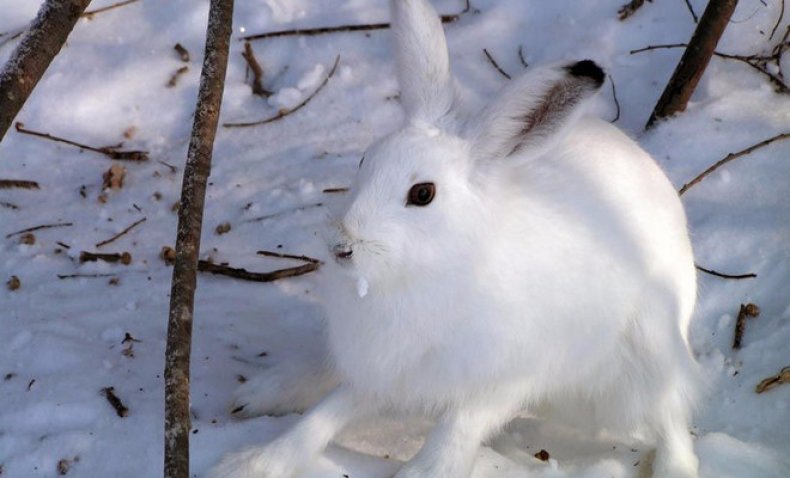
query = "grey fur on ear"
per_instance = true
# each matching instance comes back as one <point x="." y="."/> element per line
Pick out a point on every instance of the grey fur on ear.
<point x="535" y="111"/>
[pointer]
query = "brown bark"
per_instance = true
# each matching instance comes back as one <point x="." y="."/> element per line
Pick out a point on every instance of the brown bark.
<point x="694" y="60"/>
<point x="31" y="58"/>
<point x="190" y="222"/>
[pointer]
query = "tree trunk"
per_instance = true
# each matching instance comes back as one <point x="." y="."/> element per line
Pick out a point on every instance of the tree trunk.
<point x="694" y="61"/>
<point x="190" y="222"/>
<point x="31" y="58"/>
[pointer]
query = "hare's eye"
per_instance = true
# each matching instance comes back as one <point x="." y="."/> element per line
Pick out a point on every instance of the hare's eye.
<point x="421" y="194"/>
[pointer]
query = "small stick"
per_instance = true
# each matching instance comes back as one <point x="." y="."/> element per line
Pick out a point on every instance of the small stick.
<point x="725" y="276"/>
<point x="778" y="20"/>
<point x="117" y="404"/>
<point x="746" y="310"/>
<point x="18" y="183"/>
<point x="107" y="241"/>
<point x="630" y="8"/>
<point x="496" y="65"/>
<point x="36" y="228"/>
<point x="283" y="114"/>
<point x="288" y="256"/>
<point x="771" y="382"/>
<point x="696" y="18"/>
<point x="521" y="56"/>
<point x="344" y="28"/>
<point x="63" y="245"/>
<point x="124" y="257"/>
<point x="273" y="215"/>
<point x="172" y="168"/>
<point x="616" y="103"/>
<point x="183" y="53"/>
<point x="173" y="81"/>
<point x="110" y="151"/>
<point x="257" y="71"/>
<point x="237" y="273"/>
<point x="334" y="190"/>
<point x="731" y="157"/>
<point x="89" y="15"/>
<point x="87" y="276"/>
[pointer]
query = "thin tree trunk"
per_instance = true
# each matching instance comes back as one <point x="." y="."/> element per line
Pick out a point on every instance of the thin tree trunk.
<point x="190" y="222"/>
<point x="694" y="61"/>
<point x="31" y="58"/>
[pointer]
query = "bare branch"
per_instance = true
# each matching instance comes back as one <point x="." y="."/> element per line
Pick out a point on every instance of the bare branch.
<point x="257" y="71"/>
<point x="190" y="223"/>
<point x="496" y="65"/>
<point x="89" y="15"/>
<point x="731" y="157"/>
<point x="17" y="183"/>
<point x="36" y="228"/>
<point x="691" y="10"/>
<point x="725" y="276"/>
<point x="237" y="273"/>
<point x="112" y="152"/>
<point x="113" y="238"/>
<point x="31" y="58"/>
<point x="694" y="60"/>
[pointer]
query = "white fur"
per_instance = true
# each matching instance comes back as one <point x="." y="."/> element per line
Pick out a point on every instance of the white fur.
<point x="552" y="273"/>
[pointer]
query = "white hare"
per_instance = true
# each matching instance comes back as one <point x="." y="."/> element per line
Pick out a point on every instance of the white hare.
<point x="518" y="260"/>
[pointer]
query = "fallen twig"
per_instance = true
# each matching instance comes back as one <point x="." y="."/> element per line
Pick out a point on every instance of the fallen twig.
<point x="496" y="65"/>
<point x="771" y="382"/>
<point x="630" y="8"/>
<point x="257" y="71"/>
<point x="237" y="273"/>
<point x="36" y="228"/>
<point x="117" y="404"/>
<point x="449" y="18"/>
<point x="746" y="310"/>
<point x="113" y="238"/>
<point x="750" y="275"/>
<point x="286" y="211"/>
<point x="284" y="113"/>
<point x="616" y="103"/>
<point x="334" y="190"/>
<point x="123" y="257"/>
<point x="778" y="20"/>
<point x="111" y="152"/>
<point x="183" y="53"/>
<point x="288" y="256"/>
<point x="89" y="15"/>
<point x="173" y="81"/>
<point x="84" y="276"/>
<point x="521" y="56"/>
<point x="729" y="158"/>
<point x="17" y="183"/>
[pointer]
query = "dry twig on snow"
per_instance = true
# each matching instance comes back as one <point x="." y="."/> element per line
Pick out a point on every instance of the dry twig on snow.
<point x="767" y="384"/>
<point x="238" y="273"/>
<point x="257" y="71"/>
<point x="730" y="157"/>
<point x="117" y="404"/>
<point x="449" y="18"/>
<point x="36" y="228"/>
<point x="190" y="222"/>
<point x="630" y="8"/>
<point x="746" y="310"/>
<point x="749" y="275"/>
<point x="496" y="65"/>
<point x="18" y="183"/>
<point x="112" y="152"/>
<point x="283" y="113"/>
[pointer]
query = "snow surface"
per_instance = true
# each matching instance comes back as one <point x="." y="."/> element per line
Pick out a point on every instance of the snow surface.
<point x="62" y="339"/>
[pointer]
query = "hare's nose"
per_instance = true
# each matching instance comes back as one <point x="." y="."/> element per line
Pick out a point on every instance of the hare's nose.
<point x="342" y="251"/>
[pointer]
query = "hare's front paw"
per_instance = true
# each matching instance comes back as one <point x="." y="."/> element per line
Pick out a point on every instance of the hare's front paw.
<point x="252" y="463"/>
<point x="281" y="389"/>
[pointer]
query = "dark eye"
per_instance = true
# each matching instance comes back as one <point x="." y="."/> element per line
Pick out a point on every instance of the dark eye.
<point x="421" y="194"/>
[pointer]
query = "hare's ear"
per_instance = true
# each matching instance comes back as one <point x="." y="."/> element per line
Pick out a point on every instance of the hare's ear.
<point x="422" y="60"/>
<point x="535" y="111"/>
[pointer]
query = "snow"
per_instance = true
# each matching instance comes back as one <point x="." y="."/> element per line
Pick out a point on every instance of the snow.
<point x="62" y="339"/>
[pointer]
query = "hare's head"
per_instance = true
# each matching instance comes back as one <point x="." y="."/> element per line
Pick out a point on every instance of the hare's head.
<point x="424" y="193"/>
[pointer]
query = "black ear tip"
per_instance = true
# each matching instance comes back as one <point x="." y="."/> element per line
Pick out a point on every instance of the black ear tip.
<point x="587" y="69"/>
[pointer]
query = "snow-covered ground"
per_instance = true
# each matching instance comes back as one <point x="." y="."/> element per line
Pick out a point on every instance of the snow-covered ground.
<point x="61" y="340"/>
